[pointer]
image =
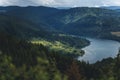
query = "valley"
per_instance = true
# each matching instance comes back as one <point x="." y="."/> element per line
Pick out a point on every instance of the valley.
<point x="99" y="22"/>
<point x="45" y="43"/>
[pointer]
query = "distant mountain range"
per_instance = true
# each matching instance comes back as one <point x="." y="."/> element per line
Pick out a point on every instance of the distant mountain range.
<point x="111" y="7"/>
<point x="63" y="7"/>
<point x="96" y="22"/>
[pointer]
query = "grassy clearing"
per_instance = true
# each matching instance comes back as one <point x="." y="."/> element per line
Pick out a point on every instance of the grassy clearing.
<point x="58" y="46"/>
<point x="116" y="34"/>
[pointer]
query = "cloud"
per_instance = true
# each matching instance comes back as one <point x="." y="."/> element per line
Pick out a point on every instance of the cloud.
<point x="5" y="2"/>
<point x="112" y="2"/>
<point x="60" y="3"/>
<point x="15" y="2"/>
<point x="47" y="2"/>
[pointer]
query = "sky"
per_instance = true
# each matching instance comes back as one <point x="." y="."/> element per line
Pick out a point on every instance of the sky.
<point x="60" y="3"/>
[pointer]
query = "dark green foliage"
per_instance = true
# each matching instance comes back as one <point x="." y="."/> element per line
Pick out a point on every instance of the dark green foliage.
<point x="21" y="60"/>
<point x="20" y="28"/>
<point x="117" y="67"/>
<point x="38" y="15"/>
<point x="18" y="50"/>
<point x="73" y="41"/>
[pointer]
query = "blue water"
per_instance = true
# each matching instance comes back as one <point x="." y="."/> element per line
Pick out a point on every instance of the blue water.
<point x="100" y="49"/>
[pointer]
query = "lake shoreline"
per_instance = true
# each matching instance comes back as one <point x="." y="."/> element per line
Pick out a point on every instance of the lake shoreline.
<point x="99" y="49"/>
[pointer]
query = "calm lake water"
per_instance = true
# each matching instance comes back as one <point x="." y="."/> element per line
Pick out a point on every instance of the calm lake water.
<point x="100" y="49"/>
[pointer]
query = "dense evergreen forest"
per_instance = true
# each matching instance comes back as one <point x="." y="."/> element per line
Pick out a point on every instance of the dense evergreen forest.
<point x="22" y="60"/>
<point x="36" y="43"/>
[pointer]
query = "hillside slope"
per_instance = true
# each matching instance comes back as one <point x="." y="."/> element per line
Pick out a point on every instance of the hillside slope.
<point x="87" y="21"/>
<point x="20" y="27"/>
<point x="83" y="21"/>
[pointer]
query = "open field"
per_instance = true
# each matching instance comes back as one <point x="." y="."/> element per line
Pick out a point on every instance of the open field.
<point x="58" y="46"/>
<point x="116" y="34"/>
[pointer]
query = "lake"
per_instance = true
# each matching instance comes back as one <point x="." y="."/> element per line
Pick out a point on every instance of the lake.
<point x="100" y="49"/>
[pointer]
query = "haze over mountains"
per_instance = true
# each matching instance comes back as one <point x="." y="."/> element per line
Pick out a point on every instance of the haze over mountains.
<point x="111" y="7"/>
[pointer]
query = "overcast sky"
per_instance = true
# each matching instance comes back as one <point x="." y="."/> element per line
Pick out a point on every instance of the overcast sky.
<point x="60" y="3"/>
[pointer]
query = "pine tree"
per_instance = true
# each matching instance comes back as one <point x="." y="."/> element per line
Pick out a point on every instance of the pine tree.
<point x="117" y="67"/>
<point x="73" y="72"/>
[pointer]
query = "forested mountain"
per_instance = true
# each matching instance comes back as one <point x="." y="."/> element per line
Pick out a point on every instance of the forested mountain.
<point x="37" y="15"/>
<point x="35" y="43"/>
<point x="87" y="21"/>
<point x="95" y="22"/>
<point x="111" y="7"/>
<point x="20" y="59"/>
<point x="23" y="27"/>
<point x="20" y="27"/>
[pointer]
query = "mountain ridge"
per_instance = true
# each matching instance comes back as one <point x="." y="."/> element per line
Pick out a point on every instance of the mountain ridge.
<point x="83" y="21"/>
